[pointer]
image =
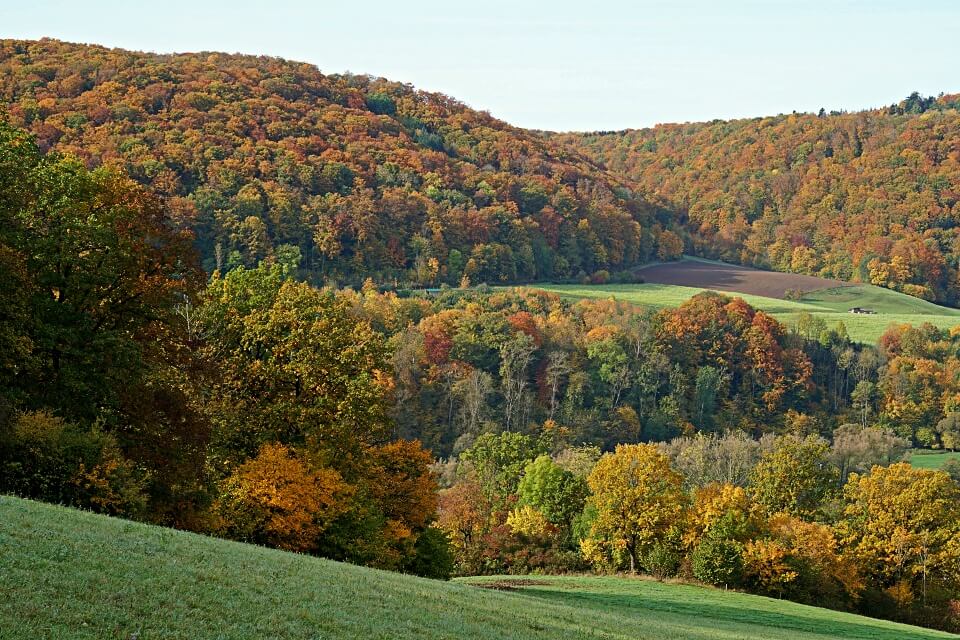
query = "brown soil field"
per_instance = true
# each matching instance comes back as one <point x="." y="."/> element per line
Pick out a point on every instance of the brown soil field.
<point x="729" y="277"/>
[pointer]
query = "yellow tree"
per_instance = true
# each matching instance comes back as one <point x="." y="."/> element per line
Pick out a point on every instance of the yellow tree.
<point x="638" y="499"/>
<point x="901" y="524"/>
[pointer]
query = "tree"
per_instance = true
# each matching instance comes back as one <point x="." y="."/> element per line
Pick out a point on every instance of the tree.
<point x="555" y="492"/>
<point x="901" y="525"/>
<point x="294" y="368"/>
<point x="857" y="449"/>
<point x="638" y="499"/>
<point x="278" y="500"/>
<point x="863" y="397"/>
<point x="499" y="461"/>
<point x="718" y="561"/>
<point x="705" y="392"/>
<point x="795" y="477"/>
<point x="948" y="430"/>
<point x="706" y="459"/>
<point x="515" y="356"/>
<point x="100" y="269"/>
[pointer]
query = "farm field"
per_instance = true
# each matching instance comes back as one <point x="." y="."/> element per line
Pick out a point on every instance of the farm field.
<point x="71" y="574"/>
<point x="831" y="304"/>
<point x="926" y="459"/>
<point x="720" y="276"/>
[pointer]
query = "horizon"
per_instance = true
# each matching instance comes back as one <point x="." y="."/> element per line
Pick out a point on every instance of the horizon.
<point x="622" y="67"/>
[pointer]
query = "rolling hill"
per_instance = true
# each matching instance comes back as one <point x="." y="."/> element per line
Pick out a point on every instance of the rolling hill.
<point x="362" y="177"/>
<point x="832" y="304"/>
<point x="68" y="574"/>
<point x="871" y="196"/>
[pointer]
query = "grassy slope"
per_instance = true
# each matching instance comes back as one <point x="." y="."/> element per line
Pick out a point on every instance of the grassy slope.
<point x="829" y="304"/>
<point x="927" y="459"/>
<point x="69" y="574"/>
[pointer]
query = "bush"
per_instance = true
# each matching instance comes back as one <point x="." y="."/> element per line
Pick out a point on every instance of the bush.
<point x="718" y="561"/>
<point x="45" y="458"/>
<point x="600" y="277"/>
<point x="793" y="294"/>
<point x="432" y="555"/>
<point x="661" y="561"/>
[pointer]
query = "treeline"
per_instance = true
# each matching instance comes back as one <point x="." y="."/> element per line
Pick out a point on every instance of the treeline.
<point x="868" y="197"/>
<point x="788" y="517"/>
<point x="360" y="177"/>
<point x="250" y="406"/>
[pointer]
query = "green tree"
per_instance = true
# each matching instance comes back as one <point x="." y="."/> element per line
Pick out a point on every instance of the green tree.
<point x="499" y="461"/>
<point x="294" y="368"/>
<point x="555" y="492"/>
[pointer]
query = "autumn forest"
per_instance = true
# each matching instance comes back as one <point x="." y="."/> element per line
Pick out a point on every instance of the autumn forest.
<point x="251" y="300"/>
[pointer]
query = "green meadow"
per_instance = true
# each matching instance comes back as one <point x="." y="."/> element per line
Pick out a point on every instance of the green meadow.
<point x="832" y="305"/>
<point x="927" y="459"/>
<point x="67" y="574"/>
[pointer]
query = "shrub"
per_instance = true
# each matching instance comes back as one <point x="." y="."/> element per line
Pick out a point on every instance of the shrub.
<point x="432" y="556"/>
<point x="600" y="277"/>
<point x="661" y="561"/>
<point x="45" y="458"/>
<point x="718" y="561"/>
<point x="276" y="499"/>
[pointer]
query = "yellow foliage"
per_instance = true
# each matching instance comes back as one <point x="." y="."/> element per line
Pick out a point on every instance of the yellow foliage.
<point x="276" y="499"/>
<point x="710" y="504"/>
<point x="530" y="522"/>
<point x="638" y="497"/>
<point x="765" y="561"/>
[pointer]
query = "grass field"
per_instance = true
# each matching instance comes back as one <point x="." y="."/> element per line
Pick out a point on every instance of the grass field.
<point x="830" y="304"/>
<point x="926" y="459"/>
<point x="66" y="574"/>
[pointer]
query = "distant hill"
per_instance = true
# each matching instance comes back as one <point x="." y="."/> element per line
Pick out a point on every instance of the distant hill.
<point x="67" y="574"/>
<point x="361" y="177"/>
<point x="871" y="197"/>
<point x="264" y="157"/>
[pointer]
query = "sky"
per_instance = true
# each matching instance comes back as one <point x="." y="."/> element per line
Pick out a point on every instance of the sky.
<point x="561" y="65"/>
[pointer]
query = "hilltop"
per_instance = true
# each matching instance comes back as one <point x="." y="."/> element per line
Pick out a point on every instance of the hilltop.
<point x="80" y="575"/>
<point x="359" y="177"/>
<point x="870" y="197"/>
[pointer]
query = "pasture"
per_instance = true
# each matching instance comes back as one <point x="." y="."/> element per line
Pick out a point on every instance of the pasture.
<point x="927" y="459"/>
<point x="831" y="304"/>
<point x="67" y="574"/>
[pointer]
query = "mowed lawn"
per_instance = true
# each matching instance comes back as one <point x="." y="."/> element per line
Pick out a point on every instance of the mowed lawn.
<point x="66" y="574"/>
<point x="927" y="459"/>
<point x="832" y="305"/>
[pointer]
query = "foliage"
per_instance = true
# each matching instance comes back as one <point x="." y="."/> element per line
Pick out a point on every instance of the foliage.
<point x="794" y="477"/>
<point x="46" y="458"/>
<point x="278" y="500"/>
<point x="366" y="177"/>
<point x="718" y="561"/>
<point x="499" y="461"/>
<point x="638" y="499"/>
<point x="900" y="524"/>
<point x="555" y="492"/>
<point x="852" y="196"/>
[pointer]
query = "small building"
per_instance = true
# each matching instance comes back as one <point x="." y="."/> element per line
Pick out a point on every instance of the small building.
<point x="862" y="310"/>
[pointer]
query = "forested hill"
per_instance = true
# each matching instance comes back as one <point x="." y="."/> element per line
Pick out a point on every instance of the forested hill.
<point x="872" y="196"/>
<point x="262" y="157"/>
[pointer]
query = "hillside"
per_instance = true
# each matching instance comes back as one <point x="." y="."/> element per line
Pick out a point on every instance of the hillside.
<point x="671" y="284"/>
<point x="70" y="574"/>
<point x="870" y="197"/>
<point x="263" y="157"/>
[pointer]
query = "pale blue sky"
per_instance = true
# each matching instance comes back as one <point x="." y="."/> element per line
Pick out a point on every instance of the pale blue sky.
<point x="562" y="65"/>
